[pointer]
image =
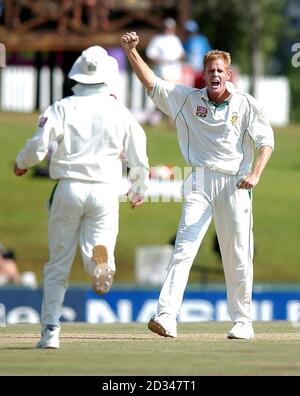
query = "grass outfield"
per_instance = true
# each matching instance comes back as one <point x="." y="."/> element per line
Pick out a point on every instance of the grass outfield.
<point x="23" y="217"/>
<point x="130" y="349"/>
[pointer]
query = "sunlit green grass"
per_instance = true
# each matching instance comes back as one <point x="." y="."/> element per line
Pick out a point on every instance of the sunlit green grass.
<point x="23" y="216"/>
<point x="131" y="349"/>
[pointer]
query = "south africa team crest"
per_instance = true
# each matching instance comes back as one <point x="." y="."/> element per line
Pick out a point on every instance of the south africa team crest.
<point x="201" y="111"/>
<point x="234" y="118"/>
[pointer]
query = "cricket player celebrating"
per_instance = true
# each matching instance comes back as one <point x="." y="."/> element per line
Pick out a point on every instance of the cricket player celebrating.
<point x="218" y="129"/>
<point x="92" y="132"/>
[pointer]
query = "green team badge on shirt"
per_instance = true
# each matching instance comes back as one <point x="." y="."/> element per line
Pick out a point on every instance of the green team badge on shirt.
<point x="234" y="118"/>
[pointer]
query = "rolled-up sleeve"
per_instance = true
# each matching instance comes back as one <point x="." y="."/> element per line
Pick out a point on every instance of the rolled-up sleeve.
<point x="167" y="97"/>
<point x="260" y="128"/>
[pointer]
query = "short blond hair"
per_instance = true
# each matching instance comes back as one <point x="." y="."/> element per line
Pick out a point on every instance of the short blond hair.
<point x="216" y="54"/>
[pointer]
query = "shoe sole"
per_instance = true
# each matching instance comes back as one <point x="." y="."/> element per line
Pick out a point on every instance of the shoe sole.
<point x="49" y="345"/>
<point x="46" y="347"/>
<point x="232" y="337"/>
<point x="158" y="329"/>
<point x="103" y="275"/>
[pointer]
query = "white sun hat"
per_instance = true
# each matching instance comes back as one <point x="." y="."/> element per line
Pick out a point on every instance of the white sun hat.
<point x="94" y="66"/>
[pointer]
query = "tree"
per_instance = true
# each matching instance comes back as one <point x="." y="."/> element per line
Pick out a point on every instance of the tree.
<point x="249" y="30"/>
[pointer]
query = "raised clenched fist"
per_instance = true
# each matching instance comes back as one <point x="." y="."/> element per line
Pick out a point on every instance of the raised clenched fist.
<point x="129" y="41"/>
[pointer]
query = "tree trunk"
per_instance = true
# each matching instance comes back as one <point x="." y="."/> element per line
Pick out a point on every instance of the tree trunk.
<point x="256" y="66"/>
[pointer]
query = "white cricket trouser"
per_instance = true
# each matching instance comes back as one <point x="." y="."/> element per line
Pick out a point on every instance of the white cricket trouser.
<point x="211" y="194"/>
<point x="81" y="212"/>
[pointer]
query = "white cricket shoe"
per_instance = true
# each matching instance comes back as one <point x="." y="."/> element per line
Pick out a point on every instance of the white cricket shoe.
<point x="50" y="337"/>
<point x="242" y="331"/>
<point x="103" y="275"/>
<point x="162" y="327"/>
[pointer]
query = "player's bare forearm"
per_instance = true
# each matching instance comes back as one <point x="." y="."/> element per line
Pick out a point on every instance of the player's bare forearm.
<point x="129" y="41"/>
<point x="264" y="154"/>
<point x="252" y="179"/>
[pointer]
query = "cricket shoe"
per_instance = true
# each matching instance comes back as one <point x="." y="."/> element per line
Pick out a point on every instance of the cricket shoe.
<point x="160" y="327"/>
<point x="241" y="331"/>
<point x="103" y="275"/>
<point x="50" y="337"/>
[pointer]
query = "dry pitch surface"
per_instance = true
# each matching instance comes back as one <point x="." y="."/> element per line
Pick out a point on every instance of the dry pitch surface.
<point x="131" y="349"/>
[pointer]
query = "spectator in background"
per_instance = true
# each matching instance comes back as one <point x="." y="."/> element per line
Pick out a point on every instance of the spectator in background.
<point x="196" y="46"/>
<point x="1" y="8"/>
<point x="9" y="272"/>
<point x="166" y="53"/>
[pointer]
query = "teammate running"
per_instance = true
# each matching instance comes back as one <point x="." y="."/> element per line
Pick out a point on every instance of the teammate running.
<point x="92" y="132"/>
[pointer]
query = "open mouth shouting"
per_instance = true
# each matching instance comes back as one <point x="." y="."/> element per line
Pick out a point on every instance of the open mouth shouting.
<point x="215" y="83"/>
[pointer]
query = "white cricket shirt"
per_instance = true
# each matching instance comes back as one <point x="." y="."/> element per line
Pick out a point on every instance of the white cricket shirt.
<point x="166" y="50"/>
<point x="221" y="137"/>
<point x="92" y="131"/>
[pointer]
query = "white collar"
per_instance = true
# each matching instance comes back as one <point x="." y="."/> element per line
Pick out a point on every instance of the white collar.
<point x="89" y="89"/>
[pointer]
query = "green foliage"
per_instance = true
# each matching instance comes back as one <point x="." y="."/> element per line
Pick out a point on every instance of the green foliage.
<point x="23" y="216"/>
<point x="230" y="26"/>
<point x="233" y="26"/>
<point x="294" y="78"/>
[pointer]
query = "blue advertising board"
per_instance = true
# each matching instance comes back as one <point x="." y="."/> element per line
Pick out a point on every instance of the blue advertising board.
<point x="129" y="304"/>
